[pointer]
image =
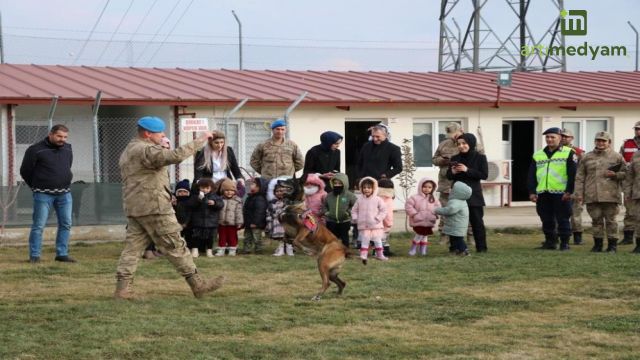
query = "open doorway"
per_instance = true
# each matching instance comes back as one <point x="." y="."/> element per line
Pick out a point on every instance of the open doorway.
<point x="522" y="142"/>
<point x="355" y="137"/>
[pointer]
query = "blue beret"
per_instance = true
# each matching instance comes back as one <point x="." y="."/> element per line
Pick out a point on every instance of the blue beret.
<point x="278" y="123"/>
<point x="152" y="124"/>
<point x="553" y="130"/>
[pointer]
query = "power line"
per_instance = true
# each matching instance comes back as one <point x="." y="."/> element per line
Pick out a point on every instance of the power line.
<point x="169" y="34"/>
<point x="91" y="33"/>
<point x="136" y="30"/>
<point x="157" y="32"/>
<point x="114" y="32"/>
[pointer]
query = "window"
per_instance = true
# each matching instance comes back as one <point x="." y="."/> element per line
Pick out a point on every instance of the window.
<point x="506" y="131"/>
<point x="425" y="140"/>
<point x="29" y="134"/>
<point x="584" y="130"/>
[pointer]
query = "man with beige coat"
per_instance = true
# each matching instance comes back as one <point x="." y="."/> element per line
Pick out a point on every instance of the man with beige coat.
<point x="147" y="205"/>
<point x="632" y="194"/>
<point x="599" y="184"/>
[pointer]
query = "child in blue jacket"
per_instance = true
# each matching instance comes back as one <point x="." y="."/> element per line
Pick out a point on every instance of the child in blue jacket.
<point x="457" y="217"/>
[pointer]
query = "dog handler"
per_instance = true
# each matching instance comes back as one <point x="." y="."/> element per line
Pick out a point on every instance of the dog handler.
<point x="147" y="205"/>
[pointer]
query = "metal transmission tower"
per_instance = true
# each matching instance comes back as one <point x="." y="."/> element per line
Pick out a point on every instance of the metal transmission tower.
<point x="479" y="48"/>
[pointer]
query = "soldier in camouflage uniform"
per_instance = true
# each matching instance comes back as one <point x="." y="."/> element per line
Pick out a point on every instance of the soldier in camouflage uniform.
<point x="277" y="156"/>
<point x="576" y="207"/>
<point x="627" y="150"/>
<point x="147" y="205"/>
<point x="632" y="194"/>
<point x="599" y="184"/>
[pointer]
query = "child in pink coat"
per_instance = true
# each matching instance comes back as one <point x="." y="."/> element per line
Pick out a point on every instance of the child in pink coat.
<point x="369" y="212"/>
<point x="314" y="195"/>
<point x="420" y="210"/>
<point x="387" y="193"/>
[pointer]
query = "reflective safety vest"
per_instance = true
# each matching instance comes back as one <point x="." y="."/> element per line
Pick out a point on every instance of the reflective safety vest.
<point x="629" y="148"/>
<point x="551" y="173"/>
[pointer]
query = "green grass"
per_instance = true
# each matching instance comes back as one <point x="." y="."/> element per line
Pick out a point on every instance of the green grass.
<point x="514" y="302"/>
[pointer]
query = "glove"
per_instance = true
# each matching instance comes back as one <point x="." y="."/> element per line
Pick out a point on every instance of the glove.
<point x="201" y="195"/>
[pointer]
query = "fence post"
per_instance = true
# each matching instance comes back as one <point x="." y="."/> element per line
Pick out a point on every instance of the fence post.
<point x="96" y="140"/>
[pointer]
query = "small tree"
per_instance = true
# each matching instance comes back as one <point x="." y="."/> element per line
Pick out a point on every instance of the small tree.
<point x="406" y="176"/>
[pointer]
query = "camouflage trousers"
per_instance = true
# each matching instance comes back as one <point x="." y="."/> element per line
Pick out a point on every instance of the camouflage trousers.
<point x="164" y="232"/>
<point x="576" y="217"/>
<point x="252" y="239"/>
<point x="603" y="216"/>
<point x="630" y="217"/>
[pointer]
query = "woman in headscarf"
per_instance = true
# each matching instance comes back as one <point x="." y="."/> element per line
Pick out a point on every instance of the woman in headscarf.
<point x="217" y="161"/>
<point x="324" y="159"/>
<point x="469" y="167"/>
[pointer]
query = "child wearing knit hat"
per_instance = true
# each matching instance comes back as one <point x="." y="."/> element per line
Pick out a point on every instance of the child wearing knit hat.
<point x="231" y="219"/>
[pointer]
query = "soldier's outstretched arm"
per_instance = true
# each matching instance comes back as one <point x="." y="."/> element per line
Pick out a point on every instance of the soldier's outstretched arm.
<point x="157" y="156"/>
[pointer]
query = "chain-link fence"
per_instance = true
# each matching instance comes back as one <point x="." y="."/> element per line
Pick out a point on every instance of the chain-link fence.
<point x="97" y="190"/>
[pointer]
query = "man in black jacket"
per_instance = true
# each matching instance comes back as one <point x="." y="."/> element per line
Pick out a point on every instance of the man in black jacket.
<point x="379" y="158"/>
<point x="46" y="168"/>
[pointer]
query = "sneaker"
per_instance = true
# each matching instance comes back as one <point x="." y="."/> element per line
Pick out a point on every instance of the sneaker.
<point x="65" y="258"/>
<point x="195" y="253"/>
<point x="34" y="259"/>
<point x="279" y="250"/>
<point x="463" y="253"/>
<point x="209" y="253"/>
<point x="219" y="252"/>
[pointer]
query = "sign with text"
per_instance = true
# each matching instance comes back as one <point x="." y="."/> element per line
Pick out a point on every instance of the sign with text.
<point x="194" y="124"/>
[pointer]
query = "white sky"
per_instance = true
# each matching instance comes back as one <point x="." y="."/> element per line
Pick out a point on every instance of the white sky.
<point x="399" y="35"/>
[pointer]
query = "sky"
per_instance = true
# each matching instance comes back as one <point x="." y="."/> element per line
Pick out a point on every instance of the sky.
<point x="373" y="35"/>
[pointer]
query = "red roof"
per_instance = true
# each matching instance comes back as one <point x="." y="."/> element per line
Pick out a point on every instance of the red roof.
<point x="22" y="84"/>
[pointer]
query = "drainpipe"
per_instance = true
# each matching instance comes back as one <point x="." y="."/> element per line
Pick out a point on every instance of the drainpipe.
<point x="52" y="110"/>
<point x="233" y="111"/>
<point x="11" y="142"/>
<point x="291" y="108"/>
<point x="96" y="139"/>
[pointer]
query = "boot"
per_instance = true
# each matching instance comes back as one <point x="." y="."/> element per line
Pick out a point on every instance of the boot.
<point x="577" y="238"/>
<point x="564" y="243"/>
<point x="201" y="287"/>
<point x="612" y="245"/>
<point x="288" y="248"/>
<point x="232" y="251"/>
<point x="550" y="242"/>
<point x="423" y="248"/>
<point x="220" y="251"/>
<point x="123" y="290"/>
<point x="387" y="250"/>
<point x="194" y="253"/>
<point x="414" y="246"/>
<point x="628" y="238"/>
<point x="380" y="254"/>
<point x="597" y="245"/>
<point x="210" y="253"/>
<point x="279" y="250"/>
<point x="637" y="248"/>
<point x="364" y="253"/>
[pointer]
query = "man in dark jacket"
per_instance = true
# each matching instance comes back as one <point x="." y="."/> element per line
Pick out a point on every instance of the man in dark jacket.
<point x="379" y="158"/>
<point x="46" y="168"/>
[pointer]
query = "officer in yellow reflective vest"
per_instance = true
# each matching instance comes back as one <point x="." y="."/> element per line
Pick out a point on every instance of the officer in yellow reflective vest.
<point x="550" y="183"/>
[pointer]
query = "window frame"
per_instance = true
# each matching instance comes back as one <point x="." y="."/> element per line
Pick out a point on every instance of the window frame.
<point x="582" y="123"/>
<point x="435" y="135"/>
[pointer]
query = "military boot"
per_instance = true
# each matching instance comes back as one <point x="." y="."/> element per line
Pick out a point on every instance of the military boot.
<point x="201" y="287"/>
<point x="123" y="290"/>
<point x="597" y="245"/>
<point x="577" y="238"/>
<point x="628" y="238"/>
<point x="549" y="243"/>
<point x="564" y="243"/>
<point x="612" y="245"/>
<point x="636" y="250"/>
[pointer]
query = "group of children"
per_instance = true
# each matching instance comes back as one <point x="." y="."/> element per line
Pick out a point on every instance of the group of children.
<point x="211" y="210"/>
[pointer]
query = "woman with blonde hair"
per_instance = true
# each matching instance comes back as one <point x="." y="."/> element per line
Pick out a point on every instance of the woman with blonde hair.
<point x="217" y="161"/>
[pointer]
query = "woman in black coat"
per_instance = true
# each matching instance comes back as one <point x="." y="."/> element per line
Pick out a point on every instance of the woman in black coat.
<point x="469" y="166"/>
<point x="324" y="159"/>
<point x="217" y="161"/>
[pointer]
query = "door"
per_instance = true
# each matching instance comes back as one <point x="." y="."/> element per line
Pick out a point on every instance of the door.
<point x="356" y="135"/>
<point x="522" y="147"/>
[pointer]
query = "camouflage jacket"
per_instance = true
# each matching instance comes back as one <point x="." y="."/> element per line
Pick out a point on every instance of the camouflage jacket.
<point x="592" y="184"/>
<point x="272" y="160"/>
<point x="632" y="182"/>
<point x="446" y="150"/>
<point x="145" y="179"/>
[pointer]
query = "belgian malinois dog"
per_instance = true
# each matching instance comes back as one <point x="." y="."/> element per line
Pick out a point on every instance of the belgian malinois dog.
<point x="310" y="235"/>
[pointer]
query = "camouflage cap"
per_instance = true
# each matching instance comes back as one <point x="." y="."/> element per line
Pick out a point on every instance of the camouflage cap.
<point x="452" y="127"/>
<point x="566" y="132"/>
<point x="637" y="125"/>
<point x="603" y="135"/>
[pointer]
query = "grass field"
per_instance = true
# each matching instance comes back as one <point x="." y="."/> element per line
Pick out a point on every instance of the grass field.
<point x="511" y="303"/>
